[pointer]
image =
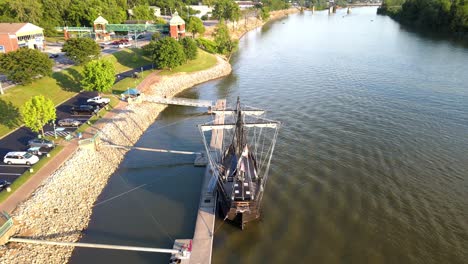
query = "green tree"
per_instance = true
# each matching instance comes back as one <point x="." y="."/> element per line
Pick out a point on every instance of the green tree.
<point x="37" y="112"/>
<point x="98" y="75"/>
<point x="24" y="65"/>
<point x="190" y="48"/>
<point x="156" y="35"/>
<point x="226" y="45"/>
<point x="227" y="10"/>
<point x="142" y="12"/>
<point x="195" y="26"/>
<point x="166" y="53"/>
<point x="264" y="13"/>
<point x="81" y="50"/>
<point x="27" y="10"/>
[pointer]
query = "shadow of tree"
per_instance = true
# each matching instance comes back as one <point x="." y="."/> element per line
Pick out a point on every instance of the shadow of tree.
<point x="132" y="59"/>
<point x="69" y="79"/>
<point x="9" y="114"/>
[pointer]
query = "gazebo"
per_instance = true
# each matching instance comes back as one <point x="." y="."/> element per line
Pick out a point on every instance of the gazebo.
<point x="176" y="26"/>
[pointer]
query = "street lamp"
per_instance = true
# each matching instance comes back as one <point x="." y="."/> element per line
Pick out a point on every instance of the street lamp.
<point x="55" y="131"/>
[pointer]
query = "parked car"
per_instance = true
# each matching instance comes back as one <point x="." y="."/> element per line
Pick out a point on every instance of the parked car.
<point x="40" y="142"/>
<point x="69" y="122"/>
<point x="20" y="157"/>
<point x="34" y="151"/>
<point x="85" y="110"/>
<point x="125" y="45"/>
<point x="4" y="184"/>
<point x="141" y="36"/>
<point x="99" y="100"/>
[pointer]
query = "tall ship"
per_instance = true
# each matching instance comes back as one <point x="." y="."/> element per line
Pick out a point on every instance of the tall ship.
<point x="239" y="142"/>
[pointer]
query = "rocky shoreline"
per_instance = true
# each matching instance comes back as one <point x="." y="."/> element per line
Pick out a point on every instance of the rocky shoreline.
<point x="61" y="208"/>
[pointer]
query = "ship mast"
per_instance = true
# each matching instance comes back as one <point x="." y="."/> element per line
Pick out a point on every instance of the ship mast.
<point x="239" y="130"/>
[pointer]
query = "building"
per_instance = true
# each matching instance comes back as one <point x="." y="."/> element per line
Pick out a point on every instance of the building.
<point x="204" y="10"/>
<point x="156" y="11"/>
<point x="176" y="26"/>
<point x="16" y="35"/>
<point x="245" y="4"/>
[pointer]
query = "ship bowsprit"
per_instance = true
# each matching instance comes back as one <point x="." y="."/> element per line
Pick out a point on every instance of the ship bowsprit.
<point x="240" y="144"/>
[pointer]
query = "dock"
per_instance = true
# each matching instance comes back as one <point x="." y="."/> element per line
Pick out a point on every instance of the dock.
<point x="181" y="101"/>
<point x="204" y="228"/>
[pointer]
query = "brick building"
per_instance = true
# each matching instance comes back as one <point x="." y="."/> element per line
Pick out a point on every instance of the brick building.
<point x="176" y="26"/>
<point x="16" y="35"/>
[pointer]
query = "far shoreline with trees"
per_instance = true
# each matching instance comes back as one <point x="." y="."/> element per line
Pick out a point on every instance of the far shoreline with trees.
<point x="443" y="16"/>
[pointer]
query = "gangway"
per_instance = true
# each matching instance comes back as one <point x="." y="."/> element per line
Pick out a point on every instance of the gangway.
<point x="181" y="101"/>
<point x="181" y="250"/>
<point x="151" y="149"/>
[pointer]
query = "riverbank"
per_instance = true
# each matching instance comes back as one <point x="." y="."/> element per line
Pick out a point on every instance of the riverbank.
<point x="61" y="208"/>
<point x="247" y="24"/>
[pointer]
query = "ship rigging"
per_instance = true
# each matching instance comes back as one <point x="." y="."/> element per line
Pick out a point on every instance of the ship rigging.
<point x="241" y="147"/>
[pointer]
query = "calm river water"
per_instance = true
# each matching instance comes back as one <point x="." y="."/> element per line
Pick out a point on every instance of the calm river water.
<point x="371" y="164"/>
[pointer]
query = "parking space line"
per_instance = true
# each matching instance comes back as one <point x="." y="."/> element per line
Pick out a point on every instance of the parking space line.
<point x="16" y="166"/>
<point x="12" y="174"/>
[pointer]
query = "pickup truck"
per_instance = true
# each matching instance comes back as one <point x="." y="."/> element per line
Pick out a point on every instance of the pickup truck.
<point x="98" y="100"/>
<point x="85" y="110"/>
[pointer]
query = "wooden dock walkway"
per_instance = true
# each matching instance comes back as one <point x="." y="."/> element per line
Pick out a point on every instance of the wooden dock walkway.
<point x="180" y="101"/>
<point x="204" y="227"/>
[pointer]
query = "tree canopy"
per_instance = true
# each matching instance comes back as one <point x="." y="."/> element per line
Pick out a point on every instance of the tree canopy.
<point x="23" y="65"/>
<point x="37" y="112"/>
<point x="81" y="50"/>
<point x="227" y="10"/>
<point x="142" y="12"/>
<point x="440" y="15"/>
<point x="225" y="44"/>
<point x="166" y="53"/>
<point x="195" y="26"/>
<point x="98" y="75"/>
<point x="190" y="48"/>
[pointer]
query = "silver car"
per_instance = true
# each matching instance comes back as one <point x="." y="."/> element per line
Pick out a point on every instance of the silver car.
<point x="69" y="122"/>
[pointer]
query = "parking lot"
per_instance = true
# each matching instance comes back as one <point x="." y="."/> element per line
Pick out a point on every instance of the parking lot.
<point x="18" y="140"/>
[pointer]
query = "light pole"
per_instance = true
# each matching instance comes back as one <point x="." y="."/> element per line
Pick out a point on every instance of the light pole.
<point x="55" y="131"/>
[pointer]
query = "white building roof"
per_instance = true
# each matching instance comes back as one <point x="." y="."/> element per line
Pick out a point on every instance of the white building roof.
<point x="176" y="20"/>
<point x="20" y="29"/>
<point x="101" y="20"/>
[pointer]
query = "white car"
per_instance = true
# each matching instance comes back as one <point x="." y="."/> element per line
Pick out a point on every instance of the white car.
<point x="99" y="100"/>
<point x="125" y="45"/>
<point x="20" y="158"/>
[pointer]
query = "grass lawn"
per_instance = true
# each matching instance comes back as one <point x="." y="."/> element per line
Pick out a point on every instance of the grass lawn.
<point x="27" y="175"/>
<point x="126" y="83"/>
<point x="58" y="87"/>
<point x="55" y="39"/>
<point x="128" y="59"/>
<point x="203" y="61"/>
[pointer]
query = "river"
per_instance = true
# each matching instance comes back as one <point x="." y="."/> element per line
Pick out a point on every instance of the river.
<point x="371" y="163"/>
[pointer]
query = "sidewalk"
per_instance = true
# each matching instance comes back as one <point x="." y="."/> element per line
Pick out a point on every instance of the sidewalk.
<point x="25" y="191"/>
